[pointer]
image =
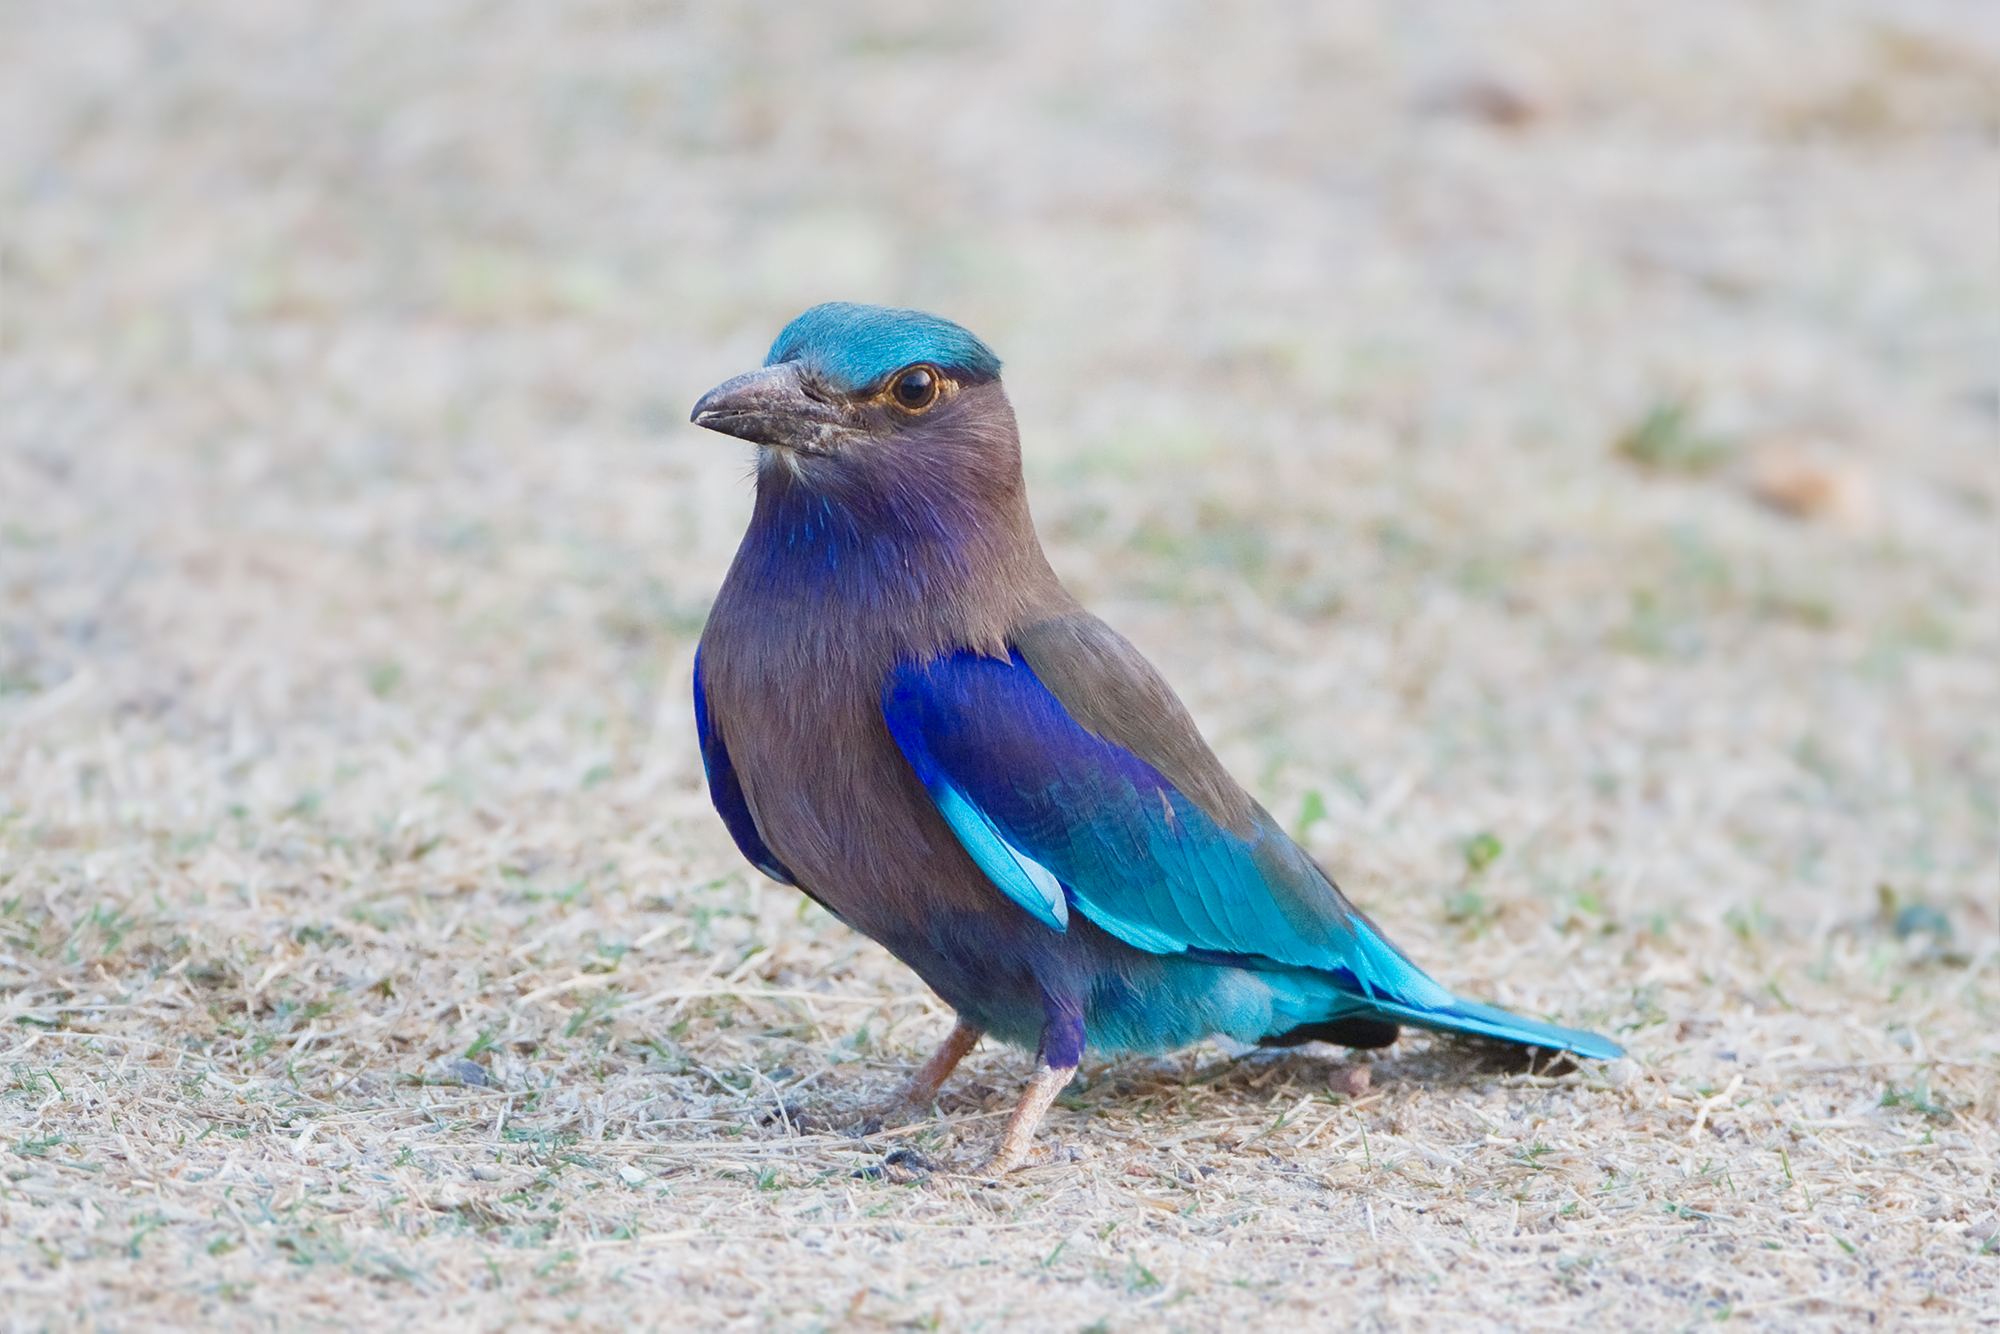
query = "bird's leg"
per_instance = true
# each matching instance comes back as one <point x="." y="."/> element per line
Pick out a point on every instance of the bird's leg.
<point x="930" y="1077"/>
<point x="1062" y="1048"/>
<point x="1021" y="1126"/>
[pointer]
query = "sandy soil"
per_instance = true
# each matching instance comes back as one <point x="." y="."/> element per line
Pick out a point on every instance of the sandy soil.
<point x="1551" y="446"/>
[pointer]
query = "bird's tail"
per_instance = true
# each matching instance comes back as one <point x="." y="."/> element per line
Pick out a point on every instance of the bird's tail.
<point x="1381" y="984"/>
<point x="1398" y="990"/>
<point x="1464" y="1016"/>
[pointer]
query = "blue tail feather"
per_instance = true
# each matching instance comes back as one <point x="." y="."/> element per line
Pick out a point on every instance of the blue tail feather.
<point x="1414" y="999"/>
<point x="1464" y="1016"/>
<point x="1301" y="996"/>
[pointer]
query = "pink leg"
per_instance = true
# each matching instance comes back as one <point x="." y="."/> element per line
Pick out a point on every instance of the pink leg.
<point x="930" y="1077"/>
<point x="1027" y="1117"/>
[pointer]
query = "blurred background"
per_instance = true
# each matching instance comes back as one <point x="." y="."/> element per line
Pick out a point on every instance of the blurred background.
<point x="1550" y="445"/>
<point x="1489" y="415"/>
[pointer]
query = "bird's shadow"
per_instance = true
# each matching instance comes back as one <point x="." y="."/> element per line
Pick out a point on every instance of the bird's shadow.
<point x="1456" y="1061"/>
<point x="1444" y="1061"/>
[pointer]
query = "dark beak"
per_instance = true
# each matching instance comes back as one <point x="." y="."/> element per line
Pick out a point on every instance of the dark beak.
<point x="771" y="407"/>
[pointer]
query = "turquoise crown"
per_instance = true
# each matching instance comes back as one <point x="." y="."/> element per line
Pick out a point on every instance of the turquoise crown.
<point x="856" y="346"/>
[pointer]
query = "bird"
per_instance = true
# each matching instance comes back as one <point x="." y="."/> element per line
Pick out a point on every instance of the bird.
<point x="903" y="713"/>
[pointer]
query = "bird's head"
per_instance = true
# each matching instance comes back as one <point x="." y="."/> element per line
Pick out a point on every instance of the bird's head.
<point x="851" y="391"/>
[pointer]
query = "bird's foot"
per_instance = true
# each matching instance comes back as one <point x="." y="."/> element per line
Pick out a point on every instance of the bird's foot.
<point x="929" y="1078"/>
<point x="1027" y="1117"/>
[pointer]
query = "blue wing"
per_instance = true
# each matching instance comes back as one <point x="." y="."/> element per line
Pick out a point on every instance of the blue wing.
<point x="727" y="792"/>
<point x="1061" y="819"/>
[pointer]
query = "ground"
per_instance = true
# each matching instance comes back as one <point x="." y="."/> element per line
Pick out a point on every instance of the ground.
<point x="1550" y="447"/>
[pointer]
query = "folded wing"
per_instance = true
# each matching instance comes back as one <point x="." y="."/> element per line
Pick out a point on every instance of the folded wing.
<point x="1062" y="818"/>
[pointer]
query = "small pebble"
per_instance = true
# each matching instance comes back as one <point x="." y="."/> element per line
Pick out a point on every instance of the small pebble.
<point x="1350" y="1081"/>
<point x="1807" y="485"/>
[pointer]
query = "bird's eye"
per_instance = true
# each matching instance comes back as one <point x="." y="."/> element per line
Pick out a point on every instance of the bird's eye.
<point x="915" y="389"/>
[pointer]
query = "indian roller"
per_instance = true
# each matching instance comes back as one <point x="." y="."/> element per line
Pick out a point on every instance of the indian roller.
<point x="903" y="713"/>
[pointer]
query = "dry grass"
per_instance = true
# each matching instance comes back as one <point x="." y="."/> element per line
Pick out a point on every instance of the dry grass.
<point x="1553" y="457"/>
